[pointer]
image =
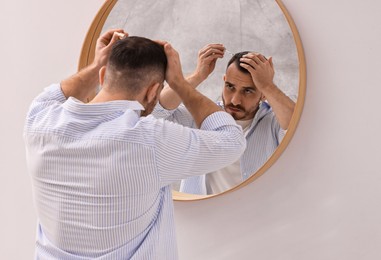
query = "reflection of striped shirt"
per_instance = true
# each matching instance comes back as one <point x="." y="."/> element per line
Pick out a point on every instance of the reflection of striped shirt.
<point x="101" y="175"/>
<point x="262" y="137"/>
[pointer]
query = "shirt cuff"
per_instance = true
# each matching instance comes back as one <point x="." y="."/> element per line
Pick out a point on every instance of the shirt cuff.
<point x="161" y="112"/>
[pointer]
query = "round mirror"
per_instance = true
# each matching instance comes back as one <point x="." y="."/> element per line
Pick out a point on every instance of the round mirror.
<point x="246" y="25"/>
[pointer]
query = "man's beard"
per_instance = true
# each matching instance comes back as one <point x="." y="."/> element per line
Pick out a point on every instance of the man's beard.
<point x="234" y="114"/>
<point x="242" y="109"/>
<point x="241" y="113"/>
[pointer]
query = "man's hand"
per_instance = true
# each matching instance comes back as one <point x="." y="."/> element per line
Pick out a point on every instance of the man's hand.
<point x="262" y="73"/>
<point x="207" y="58"/>
<point x="83" y="85"/>
<point x="174" y="75"/>
<point x="260" y="68"/>
<point x="104" y="45"/>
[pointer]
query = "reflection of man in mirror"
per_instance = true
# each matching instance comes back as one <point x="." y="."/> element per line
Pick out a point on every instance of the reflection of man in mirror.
<point x="102" y="170"/>
<point x="255" y="102"/>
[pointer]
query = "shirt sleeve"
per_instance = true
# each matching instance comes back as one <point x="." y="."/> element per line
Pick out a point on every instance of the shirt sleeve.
<point x="194" y="185"/>
<point x="51" y="95"/>
<point x="182" y="152"/>
<point x="179" y="115"/>
<point x="281" y="134"/>
<point x="278" y="131"/>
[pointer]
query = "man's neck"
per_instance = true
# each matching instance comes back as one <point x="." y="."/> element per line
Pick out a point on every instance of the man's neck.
<point x="107" y="96"/>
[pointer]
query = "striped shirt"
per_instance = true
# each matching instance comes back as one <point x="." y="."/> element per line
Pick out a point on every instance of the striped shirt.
<point x="262" y="138"/>
<point x="101" y="175"/>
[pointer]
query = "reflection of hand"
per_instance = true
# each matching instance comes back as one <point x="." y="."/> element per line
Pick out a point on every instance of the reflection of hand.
<point x="260" y="68"/>
<point x="104" y="44"/>
<point x="207" y="58"/>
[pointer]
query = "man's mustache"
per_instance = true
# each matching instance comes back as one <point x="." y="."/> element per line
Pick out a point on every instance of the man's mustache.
<point x="236" y="107"/>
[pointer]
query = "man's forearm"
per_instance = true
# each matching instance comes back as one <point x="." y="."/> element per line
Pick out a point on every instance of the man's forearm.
<point x="169" y="99"/>
<point x="82" y="85"/>
<point x="281" y="104"/>
<point x="197" y="104"/>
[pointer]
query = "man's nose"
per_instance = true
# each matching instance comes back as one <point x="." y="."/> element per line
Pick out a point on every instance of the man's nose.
<point x="236" y="99"/>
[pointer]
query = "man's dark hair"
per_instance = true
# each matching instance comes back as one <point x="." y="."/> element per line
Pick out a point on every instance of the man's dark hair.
<point x="236" y="60"/>
<point x="134" y="63"/>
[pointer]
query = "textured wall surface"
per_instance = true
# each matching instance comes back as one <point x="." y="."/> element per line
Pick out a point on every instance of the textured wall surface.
<point x="253" y="25"/>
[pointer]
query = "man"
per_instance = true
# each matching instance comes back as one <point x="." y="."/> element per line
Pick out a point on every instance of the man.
<point x="101" y="171"/>
<point x="255" y="102"/>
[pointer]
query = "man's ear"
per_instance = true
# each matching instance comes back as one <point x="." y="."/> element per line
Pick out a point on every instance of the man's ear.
<point x="224" y="78"/>
<point x="102" y="73"/>
<point x="153" y="92"/>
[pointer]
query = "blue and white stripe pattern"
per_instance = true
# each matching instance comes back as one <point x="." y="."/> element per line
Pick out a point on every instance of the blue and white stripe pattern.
<point x="101" y="175"/>
<point x="262" y="138"/>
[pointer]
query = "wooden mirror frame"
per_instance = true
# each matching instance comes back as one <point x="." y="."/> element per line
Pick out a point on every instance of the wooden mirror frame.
<point x="87" y="56"/>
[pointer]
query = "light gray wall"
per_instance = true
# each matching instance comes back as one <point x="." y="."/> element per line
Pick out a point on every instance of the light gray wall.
<point x="40" y="44"/>
<point x="319" y="201"/>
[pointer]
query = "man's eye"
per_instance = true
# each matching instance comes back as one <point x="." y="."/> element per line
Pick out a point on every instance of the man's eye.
<point x="229" y="86"/>
<point x="249" y="91"/>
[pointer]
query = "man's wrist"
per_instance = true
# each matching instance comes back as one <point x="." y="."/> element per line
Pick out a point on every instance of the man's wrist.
<point x="181" y="87"/>
<point x="267" y="87"/>
<point x="94" y="66"/>
<point x="195" y="79"/>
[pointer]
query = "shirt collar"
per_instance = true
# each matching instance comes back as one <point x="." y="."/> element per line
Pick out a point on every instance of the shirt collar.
<point x="76" y="106"/>
<point x="264" y="109"/>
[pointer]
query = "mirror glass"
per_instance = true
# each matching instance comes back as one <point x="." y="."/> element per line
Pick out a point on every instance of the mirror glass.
<point x="262" y="26"/>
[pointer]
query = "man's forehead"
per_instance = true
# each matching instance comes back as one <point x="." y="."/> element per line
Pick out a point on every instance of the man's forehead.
<point x="238" y="78"/>
<point x="234" y="70"/>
